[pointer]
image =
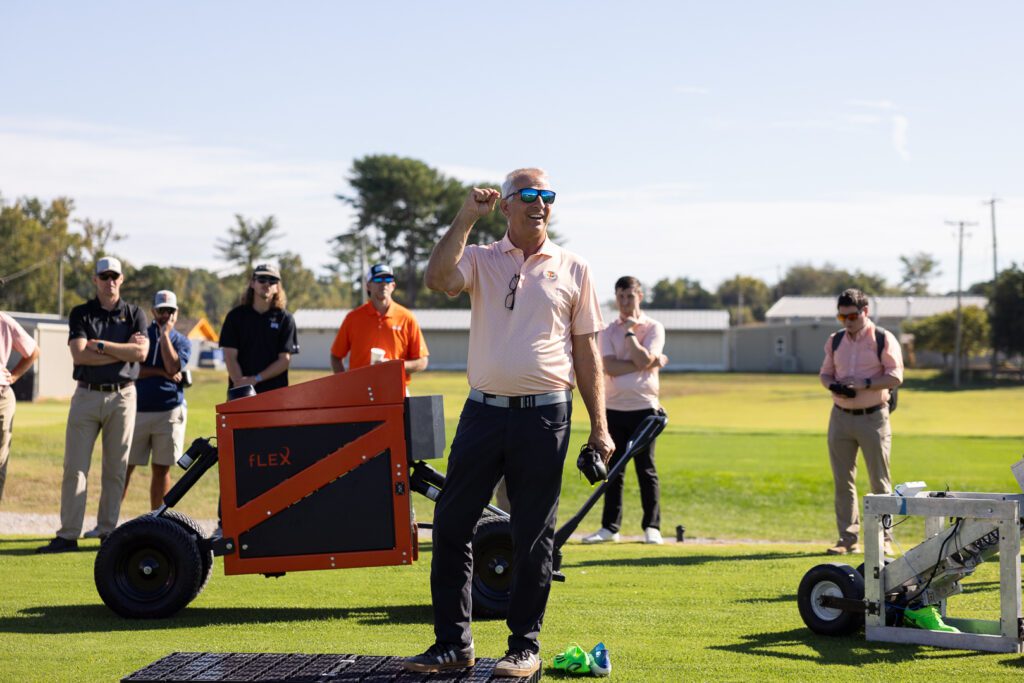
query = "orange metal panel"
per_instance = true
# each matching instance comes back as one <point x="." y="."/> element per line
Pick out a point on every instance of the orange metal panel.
<point x="237" y="520"/>
<point x="383" y="383"/>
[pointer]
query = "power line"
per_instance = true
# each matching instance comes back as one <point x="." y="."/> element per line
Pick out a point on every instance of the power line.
<point x="992" y="206"/>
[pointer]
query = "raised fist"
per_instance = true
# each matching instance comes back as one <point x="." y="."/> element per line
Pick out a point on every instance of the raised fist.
<point x="480" y="202"/>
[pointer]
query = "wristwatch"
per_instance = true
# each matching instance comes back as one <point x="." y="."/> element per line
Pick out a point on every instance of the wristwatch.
<point x="867" y="383"/>
<point x="631" y="334"/>
<point x="99" y="347"/>
<point x="258" y="377"/>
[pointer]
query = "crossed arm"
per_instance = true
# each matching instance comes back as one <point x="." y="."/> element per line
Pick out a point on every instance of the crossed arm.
<point x="86" y="352"/>
<point x="238" y="379"/>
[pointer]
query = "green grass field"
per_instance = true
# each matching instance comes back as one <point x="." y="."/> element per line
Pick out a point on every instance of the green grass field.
<point x="743" y="457"/>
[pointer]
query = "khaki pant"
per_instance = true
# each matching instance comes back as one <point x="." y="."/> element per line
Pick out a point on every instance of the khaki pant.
<point x="161" y="433"/>
<point x="872" y="434"/>
<point x="91" y="412"/>
<point x="7" y="405"/>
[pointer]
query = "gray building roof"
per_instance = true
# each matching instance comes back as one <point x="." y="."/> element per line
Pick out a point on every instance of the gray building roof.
<point x="900" y="307"/>
<point x="458" y="318"/>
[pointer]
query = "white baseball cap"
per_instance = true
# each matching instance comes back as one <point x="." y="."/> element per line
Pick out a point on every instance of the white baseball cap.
<point x="108" y="264"/>
<point x="165" y="298"/>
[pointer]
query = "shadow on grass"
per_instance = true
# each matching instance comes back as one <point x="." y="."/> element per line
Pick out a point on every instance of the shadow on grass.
<point x="850" y="651"/>
<point x="61" y="619"/>
<point x="17" y="548"/>
<point x="680" y="560"/>
<point x="944" y="382"/>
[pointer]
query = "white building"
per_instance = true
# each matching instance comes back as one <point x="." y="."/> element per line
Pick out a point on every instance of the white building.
<point x="694" y="340"/>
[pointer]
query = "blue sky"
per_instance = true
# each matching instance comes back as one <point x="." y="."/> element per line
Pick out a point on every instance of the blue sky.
<point x="685" y="139"/>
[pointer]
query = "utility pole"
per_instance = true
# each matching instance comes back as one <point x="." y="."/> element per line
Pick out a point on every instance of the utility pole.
<point x="995" y="263"/>
<point x="995" y="272"/>
<point x="959" y="291"/>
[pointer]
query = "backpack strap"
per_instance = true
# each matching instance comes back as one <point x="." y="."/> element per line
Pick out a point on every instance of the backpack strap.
<point x="880" y="341"/>
<point x="837" y="339"/>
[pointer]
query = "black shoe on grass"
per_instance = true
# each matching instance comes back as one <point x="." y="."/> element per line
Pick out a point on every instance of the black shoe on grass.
<point x="441" y="657"/>
<point x="59" y="545"/>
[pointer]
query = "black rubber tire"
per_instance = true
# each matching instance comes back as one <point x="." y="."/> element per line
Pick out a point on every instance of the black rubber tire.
<point x="205" y="549"/>
<point x="840" y="580"/>
<point x="492" y="566"/>
<point x="148" y="568"/>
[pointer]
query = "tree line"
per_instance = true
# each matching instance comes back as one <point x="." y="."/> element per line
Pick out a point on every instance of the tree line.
<point x="401" y="208"/>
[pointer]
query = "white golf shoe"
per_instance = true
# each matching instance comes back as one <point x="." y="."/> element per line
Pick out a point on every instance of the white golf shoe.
<point x="653" y="536"/>
<point x="602" y="535"/>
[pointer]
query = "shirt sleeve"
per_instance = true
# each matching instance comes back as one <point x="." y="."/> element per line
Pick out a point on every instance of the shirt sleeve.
<point x="289" y="335"/>
<point x="655" y="341"/>
<point x="892" y="357"/>
<point x="343" y="339"/>
<point x="229" y="337"/>
<point x="184" y="348"/>
<point x="21" y="340"/>
<point x="604" y="341"/>
<point x="828" y="366"/>
<point x="467" y="266"/>
<point x="76" y="324"/>
<point x="417" y="346"/>
<point x="586" y="313"/>
<point x="139" y="321"/>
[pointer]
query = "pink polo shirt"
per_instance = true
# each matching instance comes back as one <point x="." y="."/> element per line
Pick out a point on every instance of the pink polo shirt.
<point x="526" y="350"/>
<point x="857" y="359"/>
<point x="633" y="390"/>
<point x="13" y="336"/>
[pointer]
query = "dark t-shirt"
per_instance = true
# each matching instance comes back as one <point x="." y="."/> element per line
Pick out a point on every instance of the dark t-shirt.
<point x="92" y="321"/>
<point x="259" y="339"/>
<point x="158" y="394"/>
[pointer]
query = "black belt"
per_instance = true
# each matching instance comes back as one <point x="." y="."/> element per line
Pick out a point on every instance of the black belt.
<point x="862" y="411"/>
<point x="533" y="401"/>
<point x="106" y="387"/>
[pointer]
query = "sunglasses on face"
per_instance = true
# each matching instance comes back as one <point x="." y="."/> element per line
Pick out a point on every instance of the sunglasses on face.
<point x="382" y="278"/>
<point x="107" y="277"/>
<point x="266" y="280"/>
<point x="842" y="317"/>
<point x="164" y="311"/>
<point x="529" y="195"/>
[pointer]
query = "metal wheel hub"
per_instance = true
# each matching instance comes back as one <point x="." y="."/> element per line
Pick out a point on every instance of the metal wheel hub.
<point x="820" y="590"/>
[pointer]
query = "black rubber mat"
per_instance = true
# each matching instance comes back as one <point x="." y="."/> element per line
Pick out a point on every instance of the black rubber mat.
<point x="300" y="668"/>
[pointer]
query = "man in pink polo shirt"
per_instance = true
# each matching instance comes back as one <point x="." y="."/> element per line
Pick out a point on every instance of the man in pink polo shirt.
<point x="532" y="337"/>
<point x="13" y="337"/>
<point x="631" y="351"/>
<point x="859" y="375"/>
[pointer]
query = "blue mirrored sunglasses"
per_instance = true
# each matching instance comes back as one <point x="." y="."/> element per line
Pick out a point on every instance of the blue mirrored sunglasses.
<point x="529" y="195"/>
<point x="382" y="278"/>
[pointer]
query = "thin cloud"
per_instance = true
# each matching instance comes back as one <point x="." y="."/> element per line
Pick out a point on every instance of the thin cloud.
<point x="900" y="123"/>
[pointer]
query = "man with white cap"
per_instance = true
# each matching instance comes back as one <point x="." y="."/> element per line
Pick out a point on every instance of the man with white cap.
<point x="107" y="338"/>
<point x="380" y="326"/>
<point x="161" y="413"/>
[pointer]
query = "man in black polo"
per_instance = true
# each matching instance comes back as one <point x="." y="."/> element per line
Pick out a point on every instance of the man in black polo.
<point x="259" y="336"/>
<point x="107" y="341"/>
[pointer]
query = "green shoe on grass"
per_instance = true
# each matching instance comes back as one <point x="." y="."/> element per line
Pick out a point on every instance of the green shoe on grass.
<point x="928" y="618"/>
<point x="575" y="660"/>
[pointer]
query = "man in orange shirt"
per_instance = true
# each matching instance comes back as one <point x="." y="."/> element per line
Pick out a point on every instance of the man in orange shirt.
<point x="380" y="323"/>
<point x="860" y="375"/>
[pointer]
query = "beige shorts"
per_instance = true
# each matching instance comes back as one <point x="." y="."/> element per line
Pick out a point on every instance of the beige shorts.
<point x="162" y="433"/>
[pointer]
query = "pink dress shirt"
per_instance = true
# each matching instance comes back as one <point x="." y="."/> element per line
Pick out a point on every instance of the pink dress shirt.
<point x="857" y="359"/>
<point x="13" y="336"/>
<point x="633" y="390"/>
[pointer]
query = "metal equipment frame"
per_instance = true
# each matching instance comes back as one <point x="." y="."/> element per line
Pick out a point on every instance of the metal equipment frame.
<point x="999" y="511"/>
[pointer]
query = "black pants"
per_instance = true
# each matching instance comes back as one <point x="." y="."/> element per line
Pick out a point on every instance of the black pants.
<point x="526" y="446"/>
<point x="622" y="424"/>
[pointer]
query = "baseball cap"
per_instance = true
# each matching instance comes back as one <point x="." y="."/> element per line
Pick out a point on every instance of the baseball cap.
<point x="108" y="264"/>
<point x="165" y="298"/>
<point x="379" y="269"/>
<point x="266" y="269"/>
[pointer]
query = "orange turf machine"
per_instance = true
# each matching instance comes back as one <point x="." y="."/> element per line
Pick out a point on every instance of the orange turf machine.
<point x="312" y="476"/>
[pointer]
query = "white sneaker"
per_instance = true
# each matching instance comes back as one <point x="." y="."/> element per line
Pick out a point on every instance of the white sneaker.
<point x="92" y="533"/>
<point x="653" y="536"/>
<point x="602" y="535"/>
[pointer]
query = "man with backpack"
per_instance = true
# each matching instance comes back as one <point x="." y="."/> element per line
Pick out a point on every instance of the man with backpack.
<point x="862" y="369"/>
